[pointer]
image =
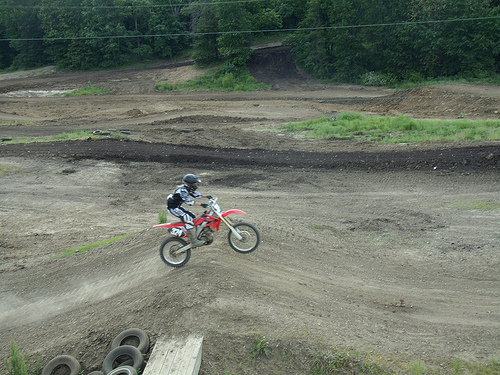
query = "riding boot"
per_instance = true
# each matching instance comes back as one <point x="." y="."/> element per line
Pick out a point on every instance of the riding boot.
<point x="192" y="238"/>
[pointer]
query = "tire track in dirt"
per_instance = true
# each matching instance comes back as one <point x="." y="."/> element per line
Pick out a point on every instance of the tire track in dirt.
<point x="456" y="159"/>
<point x="16" y="311"/>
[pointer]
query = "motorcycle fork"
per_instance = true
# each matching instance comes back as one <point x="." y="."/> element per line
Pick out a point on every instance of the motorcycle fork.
<point x="230" y="226"/>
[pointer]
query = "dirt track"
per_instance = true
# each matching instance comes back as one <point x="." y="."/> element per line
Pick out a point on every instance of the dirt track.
<point x="392" y="250"/>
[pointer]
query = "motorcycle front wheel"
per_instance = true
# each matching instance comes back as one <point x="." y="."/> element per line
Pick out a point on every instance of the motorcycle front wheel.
<point x="250" y="238"/>
<point x="167" y="249"/>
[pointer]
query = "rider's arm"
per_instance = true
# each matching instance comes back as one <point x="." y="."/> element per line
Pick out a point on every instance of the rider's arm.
<point x="196" y="195"/>
<point x="185" y="196"/>
<point x="201" y="196"/>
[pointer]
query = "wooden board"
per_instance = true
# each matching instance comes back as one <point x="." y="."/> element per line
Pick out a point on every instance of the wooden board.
<point x="175" y="356"/>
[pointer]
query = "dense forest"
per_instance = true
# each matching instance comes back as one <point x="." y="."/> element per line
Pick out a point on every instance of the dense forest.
<point x="369" y="41"/>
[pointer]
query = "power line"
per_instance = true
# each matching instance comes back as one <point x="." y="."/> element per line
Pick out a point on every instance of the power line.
<point x="124" y="6"/>
<point x="338" y="27"/>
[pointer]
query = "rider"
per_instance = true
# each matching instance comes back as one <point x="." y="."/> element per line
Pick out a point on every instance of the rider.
<point x="183" y="194"/>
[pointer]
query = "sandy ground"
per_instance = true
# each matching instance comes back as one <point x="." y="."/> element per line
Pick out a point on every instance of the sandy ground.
<point x="390" y="250"/>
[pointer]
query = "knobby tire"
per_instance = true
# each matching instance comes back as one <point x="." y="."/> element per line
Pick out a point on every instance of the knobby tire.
<point x="250" y="240"/>
<point x="169" y="246"/>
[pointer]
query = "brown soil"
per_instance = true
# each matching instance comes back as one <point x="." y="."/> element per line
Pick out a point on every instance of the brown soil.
<point x="391" y="250"/>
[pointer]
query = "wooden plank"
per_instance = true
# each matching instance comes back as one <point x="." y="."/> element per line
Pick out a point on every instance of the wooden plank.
<point x="176" y="356"/>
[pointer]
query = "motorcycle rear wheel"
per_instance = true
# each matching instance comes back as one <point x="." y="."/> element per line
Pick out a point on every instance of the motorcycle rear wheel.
<point x="250" y="240"/>
<point x="167" y="249"/>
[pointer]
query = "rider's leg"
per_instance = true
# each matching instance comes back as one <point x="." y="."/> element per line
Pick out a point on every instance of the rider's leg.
<point x="192" y="237"/>
<point x="187" y="217"/>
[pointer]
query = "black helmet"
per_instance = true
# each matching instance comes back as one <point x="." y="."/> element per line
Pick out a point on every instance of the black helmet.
<point x="190" y="181"/>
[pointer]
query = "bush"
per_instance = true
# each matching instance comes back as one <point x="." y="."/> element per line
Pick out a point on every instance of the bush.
<point x="19" y="364"/>
<point x="378" y="79"/>
<point x="228" y="77"/>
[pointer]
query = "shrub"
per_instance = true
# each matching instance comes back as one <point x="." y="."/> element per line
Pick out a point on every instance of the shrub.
<point x="19" y="364"/>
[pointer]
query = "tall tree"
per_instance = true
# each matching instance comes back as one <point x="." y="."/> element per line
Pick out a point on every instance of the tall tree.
<point x="61" y="22"/>
<point x="331" y="46"/>
<point x="7" y="53"/>
<point x="21" y="24"/>
<point x="171" y="26"/>
<point x="455" y="41"/>
<point x="345" y="39"/>
<point x="291" y="12"/>
<point x="234" y="26"/>
<point x="204" y="25"/>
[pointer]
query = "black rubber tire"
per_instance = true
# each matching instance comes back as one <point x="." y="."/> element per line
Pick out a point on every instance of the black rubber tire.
<point x="123" y="370"/>
<point x="141" y="335"/>
<point x="250" y="241"/>
<point x="109" y="363"/>
<point x="96" y="373"/>
<point x="62" y="360"/>
<point x="172" y="244"/>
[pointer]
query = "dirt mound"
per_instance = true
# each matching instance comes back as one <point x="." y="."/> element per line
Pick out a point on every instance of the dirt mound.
<point x="484" y="158"/>
<point x="204" y="119"/>
<point x="275" y="66"/>
<point x="391" y="250"/>
<point x="447" y="101"/>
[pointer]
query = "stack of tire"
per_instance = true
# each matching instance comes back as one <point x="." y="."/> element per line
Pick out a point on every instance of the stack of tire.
<point x="121" y="360"/>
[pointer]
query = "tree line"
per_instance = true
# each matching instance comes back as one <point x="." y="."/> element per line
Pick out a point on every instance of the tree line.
<point x="373" y="41"/>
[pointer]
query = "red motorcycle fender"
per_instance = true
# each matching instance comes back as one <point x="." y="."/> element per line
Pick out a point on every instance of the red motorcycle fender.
<point x="169" y="225"/>
<point x="233" y="211"/>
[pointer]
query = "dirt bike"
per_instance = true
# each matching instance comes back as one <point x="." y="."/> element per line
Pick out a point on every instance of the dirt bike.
<point x="242" y="237"/>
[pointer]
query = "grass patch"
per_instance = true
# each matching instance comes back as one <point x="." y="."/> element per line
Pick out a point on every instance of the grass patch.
<point x="476" y="369"/>
<point x="88" y="89"/>
<point x="315" y="226"/>
<point x="72" y="136"/>
<point x="19" y="364"/>
<point x="352" y="362"/>
<point x="473" y="205"/>
<point x="416" y="79"/>
<point x="401" y="129"/>
<point x="15" y="123"/>
<point x="85" y="248"/>
<point x="412" y="83"/>
<point x="4" y="169"/>
<point x="304" y="357"/>
<point x="76" y="135"/>
<point x="330" y="363"/>
<point x="260" y="347"/>
<point x="226" y="78"/>
<point x="162" y="217"/>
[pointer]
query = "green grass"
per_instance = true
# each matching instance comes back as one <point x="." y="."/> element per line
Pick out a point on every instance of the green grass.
<point x="15" y="123"/>
<point x="473" y="205"/>
<point x="85" y="248"/>
<point x="314" y="362"/>
<point x="352" y="362"/>
<point x="476" y="369"/>
<point x="8" y="168"/>
<point x="19" y="364"/>
<point x="88" y="89"/>
<point x="162" y="217"/>
<point x="226" y="78"/>
<point x="417" y="368"/>
<point x="416" y="79"/>
<point x="72" y="136"/>
<point x="330" y="363"/>
<point x="400" y="129"/>
<point x="316" y="226"/>
<point x="411" y="83"/>
<point x="260" y="347"/>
